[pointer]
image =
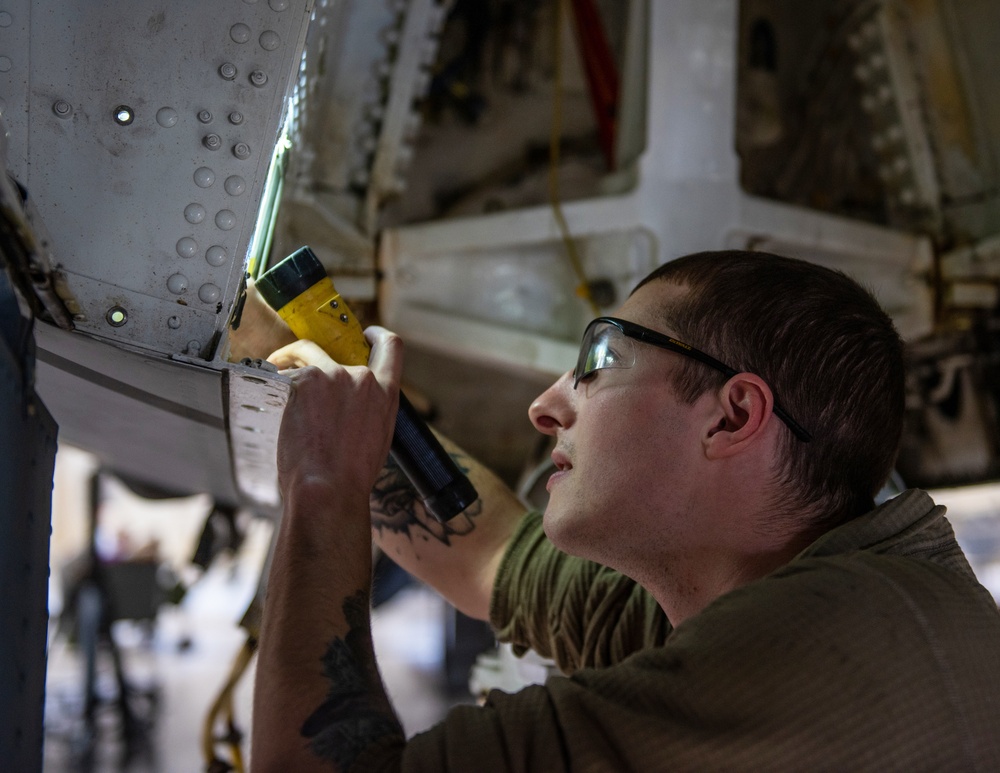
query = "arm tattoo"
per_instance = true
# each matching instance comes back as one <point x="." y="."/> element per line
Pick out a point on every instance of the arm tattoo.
<point x="355" y="714"/>
<point x="396" y="507"/>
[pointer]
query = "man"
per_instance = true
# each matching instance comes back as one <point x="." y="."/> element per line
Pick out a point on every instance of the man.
<point x="718" y="447"/>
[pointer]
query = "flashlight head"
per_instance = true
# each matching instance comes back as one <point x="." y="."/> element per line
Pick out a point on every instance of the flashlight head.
<point x="290" y="278"/>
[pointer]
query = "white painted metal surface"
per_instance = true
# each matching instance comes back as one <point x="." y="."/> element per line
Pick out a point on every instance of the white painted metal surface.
<point x="145" y="140"/>
<point x="499" y="286"/>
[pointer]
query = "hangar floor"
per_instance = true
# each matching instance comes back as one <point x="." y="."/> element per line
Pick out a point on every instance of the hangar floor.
<point x="184" y="661"/>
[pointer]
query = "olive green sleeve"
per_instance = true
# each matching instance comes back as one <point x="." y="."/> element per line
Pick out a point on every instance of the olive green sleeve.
<point x="579" y="613"/>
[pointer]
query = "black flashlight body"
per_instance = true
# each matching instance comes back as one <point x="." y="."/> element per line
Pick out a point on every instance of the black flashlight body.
<point x="299" y="289"/>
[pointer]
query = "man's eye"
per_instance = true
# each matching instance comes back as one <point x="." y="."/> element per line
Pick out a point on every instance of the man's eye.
<point x="588" y="375"/>
<point x="612" y="358"/>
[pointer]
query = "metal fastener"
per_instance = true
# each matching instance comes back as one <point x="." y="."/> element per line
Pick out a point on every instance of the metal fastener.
<point x="204" y="116"/>
<point x="228" y="71"/>
<point x="124" y="115"/>
<point x="212" y="141"/>
<point x="241" y="150"/>
<point x="62" y="108"/>
<point x="258" y="78"/>
<point x="116" y="316"/>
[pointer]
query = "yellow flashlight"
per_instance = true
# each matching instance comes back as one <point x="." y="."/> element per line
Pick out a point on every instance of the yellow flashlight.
<point x="299" y="289"/>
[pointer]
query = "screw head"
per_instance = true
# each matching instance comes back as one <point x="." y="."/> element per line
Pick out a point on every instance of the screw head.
<point x="235" y="118"/>
<point x="124" y="115"/>
<point x="116" y="316"/>
<point x="62" y="108"/>
<point x="212" y="141"/>
<point x="204" y="116"/>
<point x="241" y="150"/>
<point x="228" y="71"/>
<point x="258" y="78"/>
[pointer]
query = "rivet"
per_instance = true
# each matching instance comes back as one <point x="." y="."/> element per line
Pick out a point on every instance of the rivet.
<point x="235" y="185"/>
<point x="177" y="284"/>
<point x="116" y="316"/>
<point x="241" y="150"/>
<point x="204" y="177"/>
<point x="258" y="78"/>
<point x="204" y="116"/>
<point x="187" y="247"/>
<point x="209" y="293"/>
<point x="194" y="213"/>
<point x="166" y="117"/>
<point x="334" y="304"/>
<point x="174" y="322"/>
<point x="216" y="255"/>
<point x="212" y="141"/>
<point x="236" y="118"/>
<point x="6" y="19"/>
<point x="193" y="348"/>
<point x="5" y="64"/>
<point x="344" y="318"/>
<point x="270" y="40"/>
<point x="225" y="219"/>
<point x="62" y="108"/>
<point x="278" y="5"/>
<point x="240" y="33"/>
<point x="228" y="71"/>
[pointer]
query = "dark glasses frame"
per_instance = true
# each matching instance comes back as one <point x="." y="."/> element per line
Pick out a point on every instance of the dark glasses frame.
<point x="645" y="335"/>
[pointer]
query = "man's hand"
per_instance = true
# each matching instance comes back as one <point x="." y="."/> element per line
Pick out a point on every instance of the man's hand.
<point x="338" y="424"/>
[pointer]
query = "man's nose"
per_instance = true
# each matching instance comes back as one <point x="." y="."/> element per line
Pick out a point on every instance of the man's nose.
<point x="553" y="409"/>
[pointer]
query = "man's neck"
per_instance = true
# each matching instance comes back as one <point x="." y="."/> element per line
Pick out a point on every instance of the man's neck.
<point x="690" y="586"/>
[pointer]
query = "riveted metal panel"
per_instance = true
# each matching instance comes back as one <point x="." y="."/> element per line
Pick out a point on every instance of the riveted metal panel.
<point x="147" y="138"/>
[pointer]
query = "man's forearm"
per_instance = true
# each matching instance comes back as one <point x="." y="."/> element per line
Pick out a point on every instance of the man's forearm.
<point x="460" y="557"/>
<point x="319" y="701"/>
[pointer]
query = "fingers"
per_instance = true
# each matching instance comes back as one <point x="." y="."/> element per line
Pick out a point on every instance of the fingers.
<point x="301" y="354"/>
<point x="386" y="358"/>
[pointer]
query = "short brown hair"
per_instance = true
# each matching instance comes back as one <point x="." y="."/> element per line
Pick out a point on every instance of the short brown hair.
<point x="825" y="347"/>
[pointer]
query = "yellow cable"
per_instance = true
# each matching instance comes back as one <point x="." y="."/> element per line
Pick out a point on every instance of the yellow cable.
<point x="583" y="289"/>
<point x="224" y="703"/>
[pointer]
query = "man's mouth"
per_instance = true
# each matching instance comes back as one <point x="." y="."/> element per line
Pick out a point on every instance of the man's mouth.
<point x="561" y="461"/>
<point x="563" y="466"/>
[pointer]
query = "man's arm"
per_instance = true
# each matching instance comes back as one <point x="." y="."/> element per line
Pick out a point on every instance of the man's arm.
<point x="459" y="558"/>
<point x="318" y="700"/>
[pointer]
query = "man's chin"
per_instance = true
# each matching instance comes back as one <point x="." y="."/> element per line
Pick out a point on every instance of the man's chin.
<point x="557" y="527"/>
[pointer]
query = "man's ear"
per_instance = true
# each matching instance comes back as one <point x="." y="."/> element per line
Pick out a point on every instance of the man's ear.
<point x="743" y="411"/>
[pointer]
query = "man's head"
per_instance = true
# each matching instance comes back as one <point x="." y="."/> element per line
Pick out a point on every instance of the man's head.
<point x="827" y="350"/>
<point x="678" y="459"/>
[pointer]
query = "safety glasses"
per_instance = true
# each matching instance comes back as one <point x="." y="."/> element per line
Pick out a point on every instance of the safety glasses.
<point x="607" y="343"/>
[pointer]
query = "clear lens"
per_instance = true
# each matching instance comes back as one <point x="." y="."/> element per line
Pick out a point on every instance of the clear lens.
<point x="604" y="346"/>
